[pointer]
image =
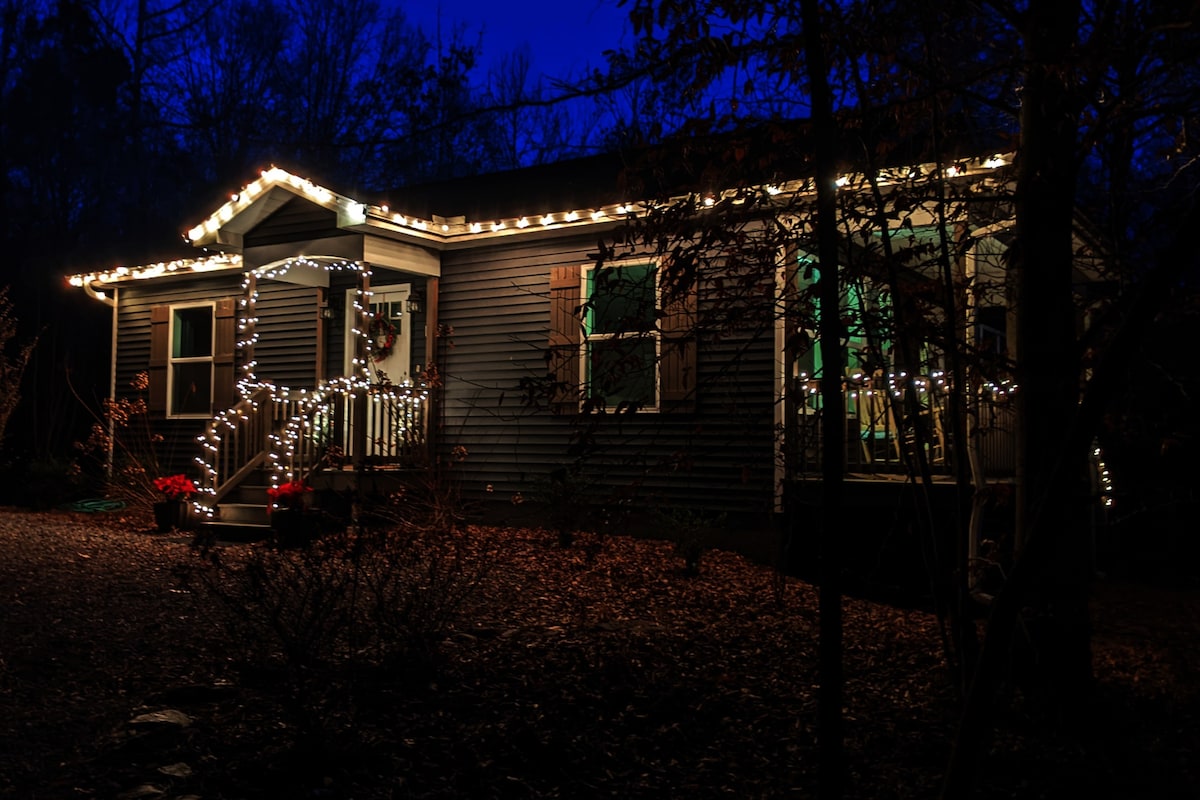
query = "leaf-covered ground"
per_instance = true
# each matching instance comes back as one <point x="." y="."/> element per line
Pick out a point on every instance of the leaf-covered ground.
<point x="596" y="671"/>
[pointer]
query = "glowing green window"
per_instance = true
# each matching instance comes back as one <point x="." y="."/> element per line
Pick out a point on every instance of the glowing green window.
<point x="620" y="349"/>
<point x="191" y="368"/>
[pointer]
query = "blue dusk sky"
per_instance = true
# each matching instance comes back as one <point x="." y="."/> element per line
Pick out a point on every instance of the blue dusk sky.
<point x="564" y="37"/>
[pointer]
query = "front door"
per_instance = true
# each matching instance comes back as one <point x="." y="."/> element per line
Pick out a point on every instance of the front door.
<point x="390" y="329"/>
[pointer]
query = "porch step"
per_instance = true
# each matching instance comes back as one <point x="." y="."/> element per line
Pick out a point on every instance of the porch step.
<point x="232" y="531"/>
<point x="237" y="522"/>
<point x="248" y="494"/>
<point x="244" y="514"/>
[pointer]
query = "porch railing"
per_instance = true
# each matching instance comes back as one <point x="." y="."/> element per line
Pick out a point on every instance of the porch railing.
<point x="376" y="426"/>
<point x="236" y="444"/>
<point x="298" y="432"/>
<point x="881" y="427"/>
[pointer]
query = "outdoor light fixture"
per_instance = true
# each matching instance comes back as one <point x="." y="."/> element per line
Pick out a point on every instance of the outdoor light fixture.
<point x="416" y="302"/>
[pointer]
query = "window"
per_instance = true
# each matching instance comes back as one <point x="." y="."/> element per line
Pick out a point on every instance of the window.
<point x="866" y="312"/>
<point x="620" y="349"/>
<point x="991" y="334"/>
<point x="192" y="358"/>
<point x="191" y="361"/>
<point x="610" y="340"/>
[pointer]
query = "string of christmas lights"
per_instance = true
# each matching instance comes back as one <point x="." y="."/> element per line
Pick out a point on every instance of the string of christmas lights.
<point x="894" y="382"/>
<point x="307" y="415"/>
<point x="352" y="212"/>
<point x="305" y="409"/>
<point x="1103" y="477"/>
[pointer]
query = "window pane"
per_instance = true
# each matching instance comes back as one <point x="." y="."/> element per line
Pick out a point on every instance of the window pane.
<point x="392" y="312"/>
<point x="191" y="388"/>
<point x="622" y="299"/>
<point x="193" y="332"/>
<point x="622" y="370"/>
<point x="991" y="329"/>
<point x="866" y="312"/>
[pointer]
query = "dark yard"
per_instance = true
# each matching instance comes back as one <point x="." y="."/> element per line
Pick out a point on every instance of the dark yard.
<point x="599" y="670"/>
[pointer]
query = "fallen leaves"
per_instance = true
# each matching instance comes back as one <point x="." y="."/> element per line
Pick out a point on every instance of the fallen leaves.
<point x="601" y="669"/>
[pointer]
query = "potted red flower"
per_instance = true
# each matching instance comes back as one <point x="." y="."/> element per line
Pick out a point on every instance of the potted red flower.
<point x="172" y="511"/>
<point x="289" y="495"/>
<point x="292" y="524"/>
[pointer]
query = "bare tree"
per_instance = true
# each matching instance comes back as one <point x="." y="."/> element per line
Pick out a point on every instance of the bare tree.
<point x="934" y="84"/>
<point x="524" y="129"/>
<point x="228" y="88"/>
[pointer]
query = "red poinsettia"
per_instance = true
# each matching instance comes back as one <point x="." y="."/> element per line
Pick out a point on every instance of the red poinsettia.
<point x="175" y="487"/>
<point x="288" y="495"/>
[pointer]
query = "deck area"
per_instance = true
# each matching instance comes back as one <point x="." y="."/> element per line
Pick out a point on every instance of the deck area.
<point x="887" y="426"/>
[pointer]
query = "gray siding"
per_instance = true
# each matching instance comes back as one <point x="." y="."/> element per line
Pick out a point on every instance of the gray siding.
<point x="497" y="302"/>
<point x="335" y="352"/>
<point x="299" y="227"/>
<point x="287" y="334"/>
<point x="178" y="448"/>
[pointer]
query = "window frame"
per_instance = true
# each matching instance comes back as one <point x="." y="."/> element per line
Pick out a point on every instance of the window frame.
<point x="173" y="360"/>
<point x="654" y="331"/>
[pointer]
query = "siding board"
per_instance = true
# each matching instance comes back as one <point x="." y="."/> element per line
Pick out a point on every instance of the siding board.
<point x="287" y="334"/>
<point x="495" y="303"/>
<point x="498" y="302"/>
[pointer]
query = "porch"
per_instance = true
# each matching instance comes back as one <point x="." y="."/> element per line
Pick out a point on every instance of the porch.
<point x="897" y="426"/>
<point x="894" y="419"/>
<point x="275" y="435"/>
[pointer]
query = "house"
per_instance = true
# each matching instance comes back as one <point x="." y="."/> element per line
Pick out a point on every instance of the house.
<point x="330" y="337"/>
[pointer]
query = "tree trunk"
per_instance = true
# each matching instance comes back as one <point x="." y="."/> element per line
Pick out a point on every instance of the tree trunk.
<point x="831" y="769"/>
<point x="1048" y="366"/>
<point x="1052" y="567"/>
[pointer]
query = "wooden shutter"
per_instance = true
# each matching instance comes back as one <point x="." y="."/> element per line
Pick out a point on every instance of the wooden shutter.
<point x="224" y="377"/>
<point x="565" y="337"/>
<point x="160" y="317"/>
<point x="677" y="363"/>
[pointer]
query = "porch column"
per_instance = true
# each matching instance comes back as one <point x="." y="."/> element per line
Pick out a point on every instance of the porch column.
<point x="321" y="326"/>
<point x="358" y="411"/>
<point x="246" y="327"/>
<point x="432" y="420"/>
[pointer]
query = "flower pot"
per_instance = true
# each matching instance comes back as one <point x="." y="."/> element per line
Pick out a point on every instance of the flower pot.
<point x="170" y="515"/>
<point x="293" y="527"/>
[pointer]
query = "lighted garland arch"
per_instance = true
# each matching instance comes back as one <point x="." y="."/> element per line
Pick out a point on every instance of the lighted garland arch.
<point x="306" y="404"/>
<point x="248" y="382"/>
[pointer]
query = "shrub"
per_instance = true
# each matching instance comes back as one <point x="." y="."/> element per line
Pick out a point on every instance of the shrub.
<point x="123" y="445"/>
<point x="566" y="494"/>
<point x="363" y="600"/>
<point x="692" y="531"/>
<point x="40" y="483"/>
<point x="14" y="358"/>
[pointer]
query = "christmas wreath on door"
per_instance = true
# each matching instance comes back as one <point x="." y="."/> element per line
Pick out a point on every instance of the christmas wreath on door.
<point x="382" y="334"/>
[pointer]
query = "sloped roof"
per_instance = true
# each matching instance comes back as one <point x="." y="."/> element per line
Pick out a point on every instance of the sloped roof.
<point x="461" y="212"/>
